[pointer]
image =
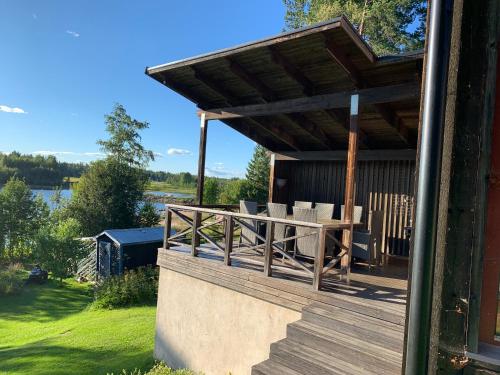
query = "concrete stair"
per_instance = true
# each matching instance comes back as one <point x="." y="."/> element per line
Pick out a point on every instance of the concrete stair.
<point x="332" y="340"/>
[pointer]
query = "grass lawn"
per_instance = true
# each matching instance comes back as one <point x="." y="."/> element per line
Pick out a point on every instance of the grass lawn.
<point x="48" y="329"/>
<point x="169" y="188"/>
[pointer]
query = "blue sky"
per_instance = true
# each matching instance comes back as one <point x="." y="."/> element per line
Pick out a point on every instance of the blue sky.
<point x="65" y="63"/>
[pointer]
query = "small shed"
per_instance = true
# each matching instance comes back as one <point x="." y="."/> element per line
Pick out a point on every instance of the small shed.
<point x="120" y="249"/>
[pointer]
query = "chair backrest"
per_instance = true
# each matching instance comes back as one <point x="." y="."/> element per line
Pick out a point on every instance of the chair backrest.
<point x="248" y="233"/>
<point x="305" y="244"/>
<point x="361" y="245"/>
<point x="302" y="204"/>
<point x="325" y="210"/>
<point x="358" y="212"/>
<point x="279" y="211"/>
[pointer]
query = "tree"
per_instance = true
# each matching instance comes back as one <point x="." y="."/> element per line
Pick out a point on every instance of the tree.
<point x="233" y="191"/>
<point x="211" y="191"/>
<point x="148" y="216"/>
<point x="124" y="143"/>
<point x="258" y="175"/>
<point x="108" y="196"/>
<point x="390" y="26"/>
<point x="21" y="216"/>
<point x="58" y="247"/>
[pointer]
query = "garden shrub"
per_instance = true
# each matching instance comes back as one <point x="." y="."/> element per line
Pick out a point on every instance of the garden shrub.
<point x="12" y="279"/>
<point x="160" y="368"/>
<point x="134" y="287"/>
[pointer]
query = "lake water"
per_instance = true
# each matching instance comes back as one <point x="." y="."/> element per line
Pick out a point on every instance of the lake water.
<point x="66" y="193"/>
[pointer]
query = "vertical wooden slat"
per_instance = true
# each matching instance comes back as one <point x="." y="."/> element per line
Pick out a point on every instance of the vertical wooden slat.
<point x="268" y="250"/>
<point x="319" y="260"/>
<point x="272" y="176"/>
<point x="195" y="241"/>
<point x="168" y="228"/>
<point x="228" y="240"/>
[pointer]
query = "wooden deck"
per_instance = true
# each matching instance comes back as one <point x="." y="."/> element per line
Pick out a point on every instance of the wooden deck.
<point x="355" y="328"/>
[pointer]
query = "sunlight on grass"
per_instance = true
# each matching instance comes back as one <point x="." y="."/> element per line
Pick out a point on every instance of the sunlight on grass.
<point x="48" y="329"/>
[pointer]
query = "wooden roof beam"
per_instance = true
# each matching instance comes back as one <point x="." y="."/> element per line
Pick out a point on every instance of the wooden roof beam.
<point x="230" y="99"/>
<point x="375" y="95"/>
<point x="340" y="116"/>
<point x="268" y="96"/>
<point x="342" y="59"/>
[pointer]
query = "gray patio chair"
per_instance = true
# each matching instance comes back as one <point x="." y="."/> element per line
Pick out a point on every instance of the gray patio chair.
<point x="362" y="246"/>
<point x="248" y="234"/>
<point x="302" y="204"/>
<point x="375" y="226"/>
<point x="305" y="246"/>
<point x="325" y="212"/>
<point x="279" y="211"/>
<point x="358" y="212"/>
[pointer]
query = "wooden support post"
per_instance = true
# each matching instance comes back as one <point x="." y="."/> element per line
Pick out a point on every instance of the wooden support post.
<point x="201" y="158"/>
<point x="350" y="182"/>
<point x="168" y="228"/>
<point x="229" y="240"/>
<point x="319" y="260"/>
<point x="268" y="251"/>
<point x="270" y="194"/>
<point x="195" y="241"/>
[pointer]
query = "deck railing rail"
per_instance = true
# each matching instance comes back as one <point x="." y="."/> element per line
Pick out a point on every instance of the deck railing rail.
<point x="216" y="231"/>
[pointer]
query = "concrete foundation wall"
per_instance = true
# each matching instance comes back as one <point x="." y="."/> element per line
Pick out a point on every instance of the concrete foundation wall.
<point x="209" y="328"/>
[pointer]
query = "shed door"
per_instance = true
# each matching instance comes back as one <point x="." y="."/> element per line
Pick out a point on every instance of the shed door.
<point x="104" y="259"/>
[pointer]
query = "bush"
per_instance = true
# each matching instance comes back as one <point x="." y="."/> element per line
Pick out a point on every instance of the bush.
<point x="159" y="368"/>
<point x="11" y="279"/>
<point x="134" y="287"/>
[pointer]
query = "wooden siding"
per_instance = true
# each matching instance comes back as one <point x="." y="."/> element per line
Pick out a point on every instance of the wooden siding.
<point x="380" y="185"/>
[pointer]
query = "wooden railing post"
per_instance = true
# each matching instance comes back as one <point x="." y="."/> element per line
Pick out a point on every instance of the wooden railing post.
<point x="195" y="241"/>
<point x="319" y="259"/>
<point x="268" y="251"/>
<point x="168" y="228"/>
<point x="229" y="240"/>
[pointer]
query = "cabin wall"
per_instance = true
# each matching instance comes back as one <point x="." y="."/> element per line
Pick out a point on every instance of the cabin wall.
<point x="380" y="185"/>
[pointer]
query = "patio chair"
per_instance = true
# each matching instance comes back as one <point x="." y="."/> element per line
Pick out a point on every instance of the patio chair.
<point x="279" y="211"/>
<point x="305" y="246"/>
<point x="375" y="226"/>
<point x="302" y="204"/>
<point x="325" y="212"/>
<point x="358" y="212"/>
<point x="248" y="233"/>
<point x="362" y="246"/>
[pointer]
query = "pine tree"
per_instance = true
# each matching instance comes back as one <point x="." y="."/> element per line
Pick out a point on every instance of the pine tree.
<point x="258" y="175"/>
<point x="386" y="24"/>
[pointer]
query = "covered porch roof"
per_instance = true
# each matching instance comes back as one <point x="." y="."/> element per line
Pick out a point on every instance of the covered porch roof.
<point x="324" y="64"/>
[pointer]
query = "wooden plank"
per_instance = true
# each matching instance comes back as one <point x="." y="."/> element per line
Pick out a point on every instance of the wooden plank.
<point x="195" y="241"/>
<point x="168" y="228"/>
<point x="272" y="176"/>
<point x="363" y="155"/>
<point x="373" y="95"/>
<point x="201" y="158"/>
<point x="319" y="260"/>
<point x="268" y="252"/>
<point x="229" y="235"/>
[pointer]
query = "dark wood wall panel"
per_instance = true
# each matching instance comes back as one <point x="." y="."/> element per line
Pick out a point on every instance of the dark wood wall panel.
<point x="380" y="185"/>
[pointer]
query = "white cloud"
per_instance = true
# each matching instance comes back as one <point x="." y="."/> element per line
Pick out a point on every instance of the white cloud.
<point x="6" y="108"/>
<point x="158" y="154"/>
<point x="73" y="33"/>
<point x="219" y="170"/>
<point x="178" y="151"/>
<point x="69" y="153"/>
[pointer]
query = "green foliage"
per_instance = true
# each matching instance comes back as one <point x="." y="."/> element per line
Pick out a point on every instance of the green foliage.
<point x="234" y="190"/>
<point x="124" y="143"/>
<point x="258" y="175"/>
<point x="159" y="368"/>
<point x="58" y="248"/>
<point x="383" y="23"/>
<point x="21" y="216"/>
<point x="148" y="216"/>
<point x="37" y="170"/>
<point x="12" y="279"/>
<point x="211" y="191"/>
<point x="108" y="196"/>
<point x="134" y="287"/>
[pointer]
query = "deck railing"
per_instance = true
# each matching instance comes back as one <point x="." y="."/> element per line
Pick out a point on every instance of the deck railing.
<point x="218" y="232"/>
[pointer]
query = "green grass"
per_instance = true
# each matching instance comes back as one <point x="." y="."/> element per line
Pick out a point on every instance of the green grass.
<point x="169" y="188"/>
<point x="48" y="329"/>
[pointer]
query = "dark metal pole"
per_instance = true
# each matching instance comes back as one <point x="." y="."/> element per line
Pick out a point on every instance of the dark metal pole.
<point x="424" y="245"/>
